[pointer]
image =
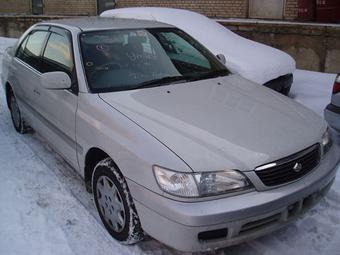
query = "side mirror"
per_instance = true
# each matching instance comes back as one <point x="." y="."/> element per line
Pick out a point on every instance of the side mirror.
<point x="55" y="80"/>
<point x="221" y="58"/>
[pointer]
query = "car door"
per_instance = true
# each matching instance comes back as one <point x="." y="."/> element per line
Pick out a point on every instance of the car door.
<point x="58" y="107"/>
<point x="26" y="72"/>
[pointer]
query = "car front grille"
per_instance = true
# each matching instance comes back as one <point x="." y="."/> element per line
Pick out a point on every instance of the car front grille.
<point x="290" y="168"/>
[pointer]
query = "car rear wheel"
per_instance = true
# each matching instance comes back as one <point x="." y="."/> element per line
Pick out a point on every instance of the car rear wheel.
<point x="18" y="121"/>
<point x="114" y="203"/>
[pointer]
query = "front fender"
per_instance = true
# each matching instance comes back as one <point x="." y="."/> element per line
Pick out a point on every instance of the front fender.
<point x="133" y="149"/>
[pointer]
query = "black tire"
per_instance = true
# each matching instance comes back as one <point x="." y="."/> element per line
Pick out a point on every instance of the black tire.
<point x="131" y="231"/>
<point x="17" y="120"/>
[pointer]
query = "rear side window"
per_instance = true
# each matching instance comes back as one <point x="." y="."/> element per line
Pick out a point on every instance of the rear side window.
<point x="30" y="49"/>
<point x="58" y="54"/>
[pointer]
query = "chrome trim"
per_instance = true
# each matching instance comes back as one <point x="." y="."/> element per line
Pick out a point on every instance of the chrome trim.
<point x="289" y="158"/>
<point x="265" y="166"/>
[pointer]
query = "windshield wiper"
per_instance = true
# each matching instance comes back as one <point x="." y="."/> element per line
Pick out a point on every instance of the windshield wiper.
<point x="213" y="74"/>
<point x="160" y="81"/>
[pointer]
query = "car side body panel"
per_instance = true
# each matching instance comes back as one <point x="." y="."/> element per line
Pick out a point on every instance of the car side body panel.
<point x="50" y="112"/>
<point x="132" y="148"/>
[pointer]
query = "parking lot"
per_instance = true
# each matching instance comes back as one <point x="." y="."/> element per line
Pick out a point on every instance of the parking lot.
<point x="45" y="208"/>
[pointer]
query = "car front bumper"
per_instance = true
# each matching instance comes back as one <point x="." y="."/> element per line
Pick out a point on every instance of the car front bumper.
<point x="213" y="224"/>
<point x="332" y="116"/>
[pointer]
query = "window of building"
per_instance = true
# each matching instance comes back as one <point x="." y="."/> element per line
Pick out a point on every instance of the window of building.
<point x="266" y="9"/>
<point x="37" y="7"/>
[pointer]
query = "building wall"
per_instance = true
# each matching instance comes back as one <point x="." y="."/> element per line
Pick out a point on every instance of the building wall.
<point x="70" y="7"/>
<point x="15" y="6"/>
<point x="211" y="8"/>
<point x="314" y="47"/>
<point x="51" y="7"/>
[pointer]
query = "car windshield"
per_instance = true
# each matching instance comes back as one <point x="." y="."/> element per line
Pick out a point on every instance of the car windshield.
<point x="116" y="60"/>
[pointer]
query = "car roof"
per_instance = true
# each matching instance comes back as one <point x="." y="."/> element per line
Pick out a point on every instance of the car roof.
<point x="99" y="23"/>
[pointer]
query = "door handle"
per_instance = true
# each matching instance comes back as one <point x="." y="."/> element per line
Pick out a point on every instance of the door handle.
<point x="36" y="92"/>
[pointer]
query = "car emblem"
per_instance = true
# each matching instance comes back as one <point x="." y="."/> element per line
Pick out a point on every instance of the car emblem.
<point x="297" y="167"/>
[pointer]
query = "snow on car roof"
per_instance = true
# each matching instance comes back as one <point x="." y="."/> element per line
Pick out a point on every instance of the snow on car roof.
<point x="98" y="23"/>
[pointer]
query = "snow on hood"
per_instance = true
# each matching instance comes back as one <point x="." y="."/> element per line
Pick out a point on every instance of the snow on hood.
<point x="254" y="61"/>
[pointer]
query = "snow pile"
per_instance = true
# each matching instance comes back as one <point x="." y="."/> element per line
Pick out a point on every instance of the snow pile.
<point x="313" y="89"/>
<point x="46" y="210"/>
<point x="254" y="61"/>
<point x="4" y="44"/>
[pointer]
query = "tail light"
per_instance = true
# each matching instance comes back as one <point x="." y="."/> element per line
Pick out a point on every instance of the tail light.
<point x="336" y="87"/>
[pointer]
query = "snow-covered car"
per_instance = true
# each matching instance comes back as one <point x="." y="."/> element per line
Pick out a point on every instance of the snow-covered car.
<point x="168" y="140"/>
<point x="252" y="60"/>
<point x="332" y="111"/>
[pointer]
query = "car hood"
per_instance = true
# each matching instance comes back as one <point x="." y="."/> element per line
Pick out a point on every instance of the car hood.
<point x="221" y="123"/>
<point x="252" y="60"/>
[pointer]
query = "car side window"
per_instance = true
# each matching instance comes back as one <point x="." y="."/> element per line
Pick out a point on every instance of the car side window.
<point x="180" y="50"/>
<point x="30" y="49"/>
<point x="20" y="52"/>
<point x="58" y="54"/>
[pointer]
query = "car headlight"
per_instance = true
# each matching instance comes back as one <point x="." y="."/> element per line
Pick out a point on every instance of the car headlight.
<point x="200" y="184"/>
<point x="326" y="141"/>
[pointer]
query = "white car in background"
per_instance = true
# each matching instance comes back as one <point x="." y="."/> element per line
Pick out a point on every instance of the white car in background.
<point x="255" y="61"/>
<point x="332" y="111"/>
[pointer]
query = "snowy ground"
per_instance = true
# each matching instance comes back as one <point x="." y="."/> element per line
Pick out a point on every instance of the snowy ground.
<point x="45" y="208"/>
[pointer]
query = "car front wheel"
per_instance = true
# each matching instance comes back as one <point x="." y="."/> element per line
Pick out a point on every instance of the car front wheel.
<point x="114" y="203"/>
<point x="18" y="121"/>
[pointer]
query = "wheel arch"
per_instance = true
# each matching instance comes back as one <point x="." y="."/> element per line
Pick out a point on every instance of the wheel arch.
<point x="93" y="156"/>
<point x="8" y="90"/>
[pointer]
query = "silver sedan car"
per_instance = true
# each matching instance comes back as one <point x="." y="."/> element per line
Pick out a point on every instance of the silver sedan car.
<point x="170" y="142"/>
